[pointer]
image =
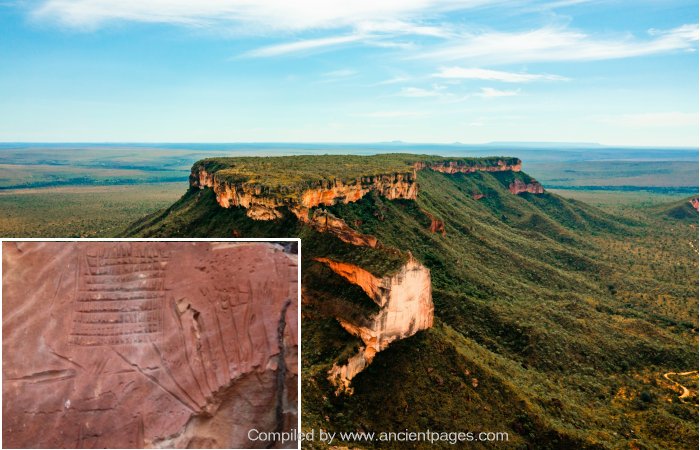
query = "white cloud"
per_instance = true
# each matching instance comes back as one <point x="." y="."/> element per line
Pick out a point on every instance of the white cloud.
<point x="377" y="34"/>
<point x="302" y="46"/>
<point x="657" y="119"/>
<point x="400" y="27"/>
<point x="558" y="44"/>
<point x="488" y="92"/>
<point x="374" y="23"/>
<point x="260" y="15"/>
<point x="493" y="75"/>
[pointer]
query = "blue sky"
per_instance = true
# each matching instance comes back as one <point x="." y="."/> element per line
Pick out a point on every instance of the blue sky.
<point x="473" y="71"/>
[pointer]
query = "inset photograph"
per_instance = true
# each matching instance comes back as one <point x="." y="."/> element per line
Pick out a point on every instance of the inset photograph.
<point x="159" y="344"/>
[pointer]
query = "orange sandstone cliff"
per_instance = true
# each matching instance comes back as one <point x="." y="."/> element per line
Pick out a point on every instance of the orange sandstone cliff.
<point x="519" y="186"/>
<point x="406" y="307"/>
<point x="262" y="202"/>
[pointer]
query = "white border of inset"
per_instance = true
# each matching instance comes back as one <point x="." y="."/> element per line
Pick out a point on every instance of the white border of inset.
<point x="268" y="240"/>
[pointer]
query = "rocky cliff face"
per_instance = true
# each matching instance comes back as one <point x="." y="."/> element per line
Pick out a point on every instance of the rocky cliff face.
<point x="130" y="345"/>
<point x="436" y="225"/>
<point x="519" y="186"/>
<point x="261" y="203"/>
<point x="453" y="167"/>
<point x="325" y="222"/>
<point x="406" y="307"/>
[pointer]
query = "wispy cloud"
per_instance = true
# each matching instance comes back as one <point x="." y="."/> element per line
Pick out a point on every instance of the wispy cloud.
<point x="302" y="46"/>
<point x="401" y="27"/>
<point x="263" y="15"/>
<point x="494" y="75"/>
<point x="559" y="44"/>
<point x="488" y="92"/>
<point x="385" y="23"/>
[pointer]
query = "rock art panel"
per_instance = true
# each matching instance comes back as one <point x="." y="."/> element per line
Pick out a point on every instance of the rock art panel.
<point x="148" y="344"/>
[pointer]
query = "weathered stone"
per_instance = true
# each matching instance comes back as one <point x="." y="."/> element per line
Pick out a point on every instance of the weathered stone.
<point x="406" y="307"/>
<point x="177" y="344"/>
<point x="519" y="186"/>
<point x="325" y="222"/>
<point x="453" y="167"/>
<point x="261" y="205"/>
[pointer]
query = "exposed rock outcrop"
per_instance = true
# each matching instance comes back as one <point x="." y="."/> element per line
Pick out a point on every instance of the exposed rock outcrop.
<point x="261" y="203"/>
<point x="519" y="186"/>
<point x="406" y="307"/>
<point x="436" y="225"/>
<point x="142" y="344"/>
<point x="326" y="222"/>
<point x="457" y="166"/>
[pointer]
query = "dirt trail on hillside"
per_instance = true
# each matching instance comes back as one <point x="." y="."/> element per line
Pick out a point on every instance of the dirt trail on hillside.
<point x="685" y="391"/>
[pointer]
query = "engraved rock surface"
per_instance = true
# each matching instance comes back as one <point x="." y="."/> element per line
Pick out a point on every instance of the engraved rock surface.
<point x="144" y="344"/>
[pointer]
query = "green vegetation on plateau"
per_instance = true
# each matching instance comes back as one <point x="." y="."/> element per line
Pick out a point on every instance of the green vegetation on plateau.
<point x="555" y="320"/>
<point x="293" y="173"/>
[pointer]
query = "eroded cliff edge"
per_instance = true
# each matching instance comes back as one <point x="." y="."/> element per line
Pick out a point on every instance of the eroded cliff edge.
<point x="406" y="307"/>
<point x="262" y="197"/>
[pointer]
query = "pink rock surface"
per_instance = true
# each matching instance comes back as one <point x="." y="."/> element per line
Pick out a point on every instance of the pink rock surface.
<point x="175" y="344"/>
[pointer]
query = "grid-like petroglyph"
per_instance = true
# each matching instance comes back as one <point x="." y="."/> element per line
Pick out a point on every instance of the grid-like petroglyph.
<point x="120" y="295"/>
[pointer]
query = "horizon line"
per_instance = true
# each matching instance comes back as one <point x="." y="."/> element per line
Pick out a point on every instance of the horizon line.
<point x="533" y="144"/>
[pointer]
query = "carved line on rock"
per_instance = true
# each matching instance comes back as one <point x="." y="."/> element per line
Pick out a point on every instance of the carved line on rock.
<point x="119" y="297"/>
